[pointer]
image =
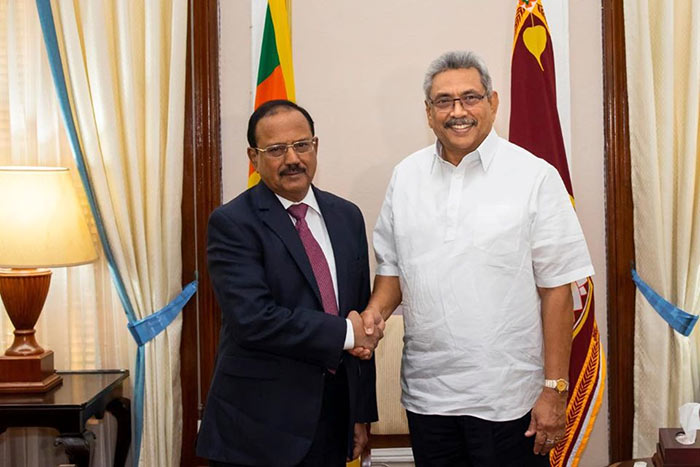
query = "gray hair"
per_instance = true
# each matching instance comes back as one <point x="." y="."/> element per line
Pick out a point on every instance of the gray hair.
<point x="457" y="60"/>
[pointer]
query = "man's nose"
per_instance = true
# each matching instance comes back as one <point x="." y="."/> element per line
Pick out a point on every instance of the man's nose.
<point x="457" y="108"/>
<point x="291" y="156"/>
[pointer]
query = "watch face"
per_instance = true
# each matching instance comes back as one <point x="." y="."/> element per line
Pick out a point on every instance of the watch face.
<point x="561" y="385"/>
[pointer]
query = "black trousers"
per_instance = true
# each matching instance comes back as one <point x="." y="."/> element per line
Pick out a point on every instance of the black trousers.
<point x="465" y="441"/>
<point x="330" y="445"/>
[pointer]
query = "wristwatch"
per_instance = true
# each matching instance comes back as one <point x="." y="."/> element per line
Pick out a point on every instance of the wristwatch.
<point x="560" y="385"/>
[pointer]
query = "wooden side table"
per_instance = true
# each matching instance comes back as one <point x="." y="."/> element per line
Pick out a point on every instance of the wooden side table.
<point x="66" y="408"/>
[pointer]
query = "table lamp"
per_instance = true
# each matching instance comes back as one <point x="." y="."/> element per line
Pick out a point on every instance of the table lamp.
<point x="42" y="225"/>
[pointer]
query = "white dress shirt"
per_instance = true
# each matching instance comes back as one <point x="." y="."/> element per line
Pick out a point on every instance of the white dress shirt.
<point x="470" y="244"/>
<point x="317" y="226"/>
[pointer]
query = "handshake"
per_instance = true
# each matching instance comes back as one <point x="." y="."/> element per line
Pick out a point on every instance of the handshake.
<point x="368" y="329"/>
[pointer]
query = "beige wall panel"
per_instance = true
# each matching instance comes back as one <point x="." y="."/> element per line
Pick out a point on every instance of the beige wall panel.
<point x="587" y="151"/>
<point x="359" y="70"/>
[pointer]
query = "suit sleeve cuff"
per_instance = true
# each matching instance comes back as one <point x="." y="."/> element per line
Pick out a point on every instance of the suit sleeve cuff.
<point x="349" y="336"/>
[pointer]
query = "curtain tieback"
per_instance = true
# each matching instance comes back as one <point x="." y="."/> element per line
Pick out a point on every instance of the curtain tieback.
<point x="149" y="327"/>
<point x="678" y="319"/>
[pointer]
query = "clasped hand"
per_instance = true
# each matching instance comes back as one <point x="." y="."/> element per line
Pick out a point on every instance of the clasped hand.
<point x="368" y="329"/>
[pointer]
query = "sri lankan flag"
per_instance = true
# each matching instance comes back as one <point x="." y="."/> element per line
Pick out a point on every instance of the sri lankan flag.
<point x="535" y="126"/>
<point x="272" y="57"/>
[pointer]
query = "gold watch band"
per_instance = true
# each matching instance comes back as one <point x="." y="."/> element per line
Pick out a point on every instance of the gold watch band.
<point x="560" y="385"/>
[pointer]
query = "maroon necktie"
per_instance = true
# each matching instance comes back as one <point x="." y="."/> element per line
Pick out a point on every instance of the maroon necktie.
<point x="319" y="265"/>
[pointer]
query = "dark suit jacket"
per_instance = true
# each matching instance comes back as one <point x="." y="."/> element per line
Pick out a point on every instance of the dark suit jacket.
<point x="276" y="341"/>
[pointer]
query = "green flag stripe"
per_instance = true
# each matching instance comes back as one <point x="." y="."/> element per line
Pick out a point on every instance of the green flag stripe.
<point x="269" y="59"/>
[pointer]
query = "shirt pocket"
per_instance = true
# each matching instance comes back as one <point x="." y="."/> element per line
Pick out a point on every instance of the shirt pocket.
<point x="498" y="229"/>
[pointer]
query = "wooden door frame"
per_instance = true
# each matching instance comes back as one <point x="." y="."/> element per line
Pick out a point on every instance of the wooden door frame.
<point x="201" y="195"/>
<point x="619" y="224"/>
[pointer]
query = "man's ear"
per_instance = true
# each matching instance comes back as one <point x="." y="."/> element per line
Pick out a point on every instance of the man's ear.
<point x="493" y="102"/>
<point x="428" y="114"/>
<point x="253" y="156"/>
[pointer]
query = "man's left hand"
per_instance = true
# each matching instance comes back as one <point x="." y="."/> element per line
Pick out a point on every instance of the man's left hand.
<point x="374" y="325"/>
<point x="548" y="421"/>
<point x="359" y="440"/>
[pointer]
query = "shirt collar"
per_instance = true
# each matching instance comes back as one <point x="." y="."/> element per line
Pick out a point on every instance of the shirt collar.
<point x="309" y="199"/>
<point x="484" y="153"/>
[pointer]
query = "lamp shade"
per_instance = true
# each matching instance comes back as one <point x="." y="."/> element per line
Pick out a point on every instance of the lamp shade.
<point x="42" y="224"/>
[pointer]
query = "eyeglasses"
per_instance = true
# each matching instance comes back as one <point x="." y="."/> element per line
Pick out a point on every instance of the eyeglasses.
<point x="445" y="103"/>
<point x="279" y="150"/>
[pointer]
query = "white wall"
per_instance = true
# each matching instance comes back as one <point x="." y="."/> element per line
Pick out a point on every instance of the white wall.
<point x="586" y="47"/>
<point x="359" y="67"/>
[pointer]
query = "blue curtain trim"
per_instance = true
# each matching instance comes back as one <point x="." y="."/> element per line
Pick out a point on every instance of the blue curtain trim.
<point x="149" y="327"/>
<point x="678" y="319"/>
<point x="138" y="402"/>
<point x="49" y="32"/>
<point x="143" y="331"/>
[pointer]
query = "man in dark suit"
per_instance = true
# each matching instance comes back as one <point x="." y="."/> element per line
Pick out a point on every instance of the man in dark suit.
<point x="288" y="263"/>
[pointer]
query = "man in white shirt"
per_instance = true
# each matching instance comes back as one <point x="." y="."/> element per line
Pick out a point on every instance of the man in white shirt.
<point x="288" y="262"/>
<point x="479" y="242"/>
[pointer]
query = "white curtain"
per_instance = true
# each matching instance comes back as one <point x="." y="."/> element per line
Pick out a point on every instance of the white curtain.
<point x="82" y="321"/>
<point x="125" y="68"/>
<point x="663" y="71"/>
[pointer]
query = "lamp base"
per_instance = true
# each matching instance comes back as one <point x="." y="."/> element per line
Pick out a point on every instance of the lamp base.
<point x="33" y="373"/>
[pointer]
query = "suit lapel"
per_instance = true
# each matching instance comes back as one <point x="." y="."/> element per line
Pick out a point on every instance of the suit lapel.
<point x="276" y="218"/>
<point x="336" y="225"/>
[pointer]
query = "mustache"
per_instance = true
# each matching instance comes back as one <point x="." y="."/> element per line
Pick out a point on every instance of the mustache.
<point x="460" y="121"/>
<point x="293" y="169"/>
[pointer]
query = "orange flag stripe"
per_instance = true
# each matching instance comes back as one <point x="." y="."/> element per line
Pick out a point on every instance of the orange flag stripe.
<point x="272" y="88"/>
